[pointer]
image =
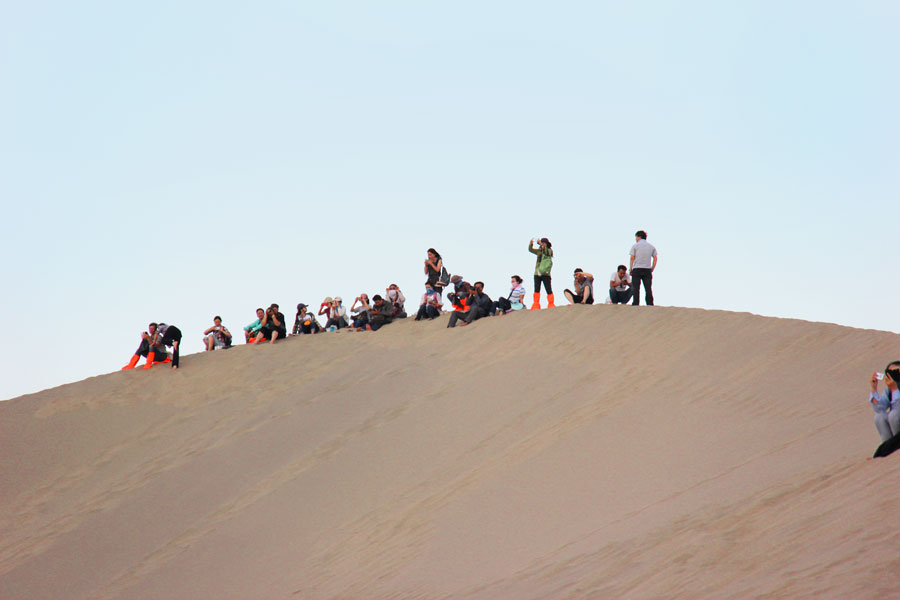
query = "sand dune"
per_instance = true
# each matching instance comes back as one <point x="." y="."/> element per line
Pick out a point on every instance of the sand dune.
<point x="604" y="451"/>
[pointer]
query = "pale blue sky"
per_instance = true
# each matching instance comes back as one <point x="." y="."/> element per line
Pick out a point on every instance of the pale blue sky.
<point x="180" y="160"/>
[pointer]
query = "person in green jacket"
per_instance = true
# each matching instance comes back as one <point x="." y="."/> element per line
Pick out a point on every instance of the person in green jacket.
<point x="542" y="272"/>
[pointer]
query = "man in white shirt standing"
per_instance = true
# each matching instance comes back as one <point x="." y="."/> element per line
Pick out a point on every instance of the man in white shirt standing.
<point x="642" y="264"/>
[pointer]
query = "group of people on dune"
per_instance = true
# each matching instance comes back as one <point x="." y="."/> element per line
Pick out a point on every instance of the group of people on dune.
<point x="468" y="302"/>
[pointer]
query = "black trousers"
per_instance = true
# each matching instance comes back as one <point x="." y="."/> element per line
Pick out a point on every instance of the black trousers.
<point x="426" y="311"/>
<point x="468" y="316"/>
<point x="537" y="284"/>
<point x="645" y="277"/>
<point x="577" y="298"/>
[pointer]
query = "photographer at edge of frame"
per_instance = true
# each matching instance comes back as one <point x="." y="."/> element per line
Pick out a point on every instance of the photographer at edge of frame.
<point x="886" y="404"/>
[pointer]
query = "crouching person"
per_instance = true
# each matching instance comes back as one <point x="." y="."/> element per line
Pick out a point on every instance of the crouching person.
<point x="151" y="347"/>
<point x="620" y="286"/>
<point x="170" y="336"/>
<point x="886" y="404"/>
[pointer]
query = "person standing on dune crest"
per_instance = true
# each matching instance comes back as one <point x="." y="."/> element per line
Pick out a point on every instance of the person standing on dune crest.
<point x="542" y="269"/>
<point x="642" y="264"/>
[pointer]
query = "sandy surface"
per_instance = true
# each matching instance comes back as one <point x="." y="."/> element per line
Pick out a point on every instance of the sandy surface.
<point x="597" y="452"/>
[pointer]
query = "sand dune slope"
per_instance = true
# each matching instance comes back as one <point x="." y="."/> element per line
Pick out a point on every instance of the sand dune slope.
<point x="605" y="451"/>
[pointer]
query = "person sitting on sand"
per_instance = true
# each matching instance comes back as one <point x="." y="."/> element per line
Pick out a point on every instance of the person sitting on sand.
<point x="480" y="302"/>
<point x="516" y="298"/>
<point x="217" y="336"/>
<point x="305" y="322"/>
<point x="360" y="314"/>
<point x="151" y="346"/>
<point x="457" y="281"/>
<point x="170" y="336"/>
<point x="273" y="327"/>
<point x="620" y="286"/>
<point x="584" y="289"/>
<point x="338" y="318"/>
<point x="886" y="404"/>
<point x="461" y="305"/>
<point x="380" y="314"/>
<point x="397" y="300"/>
<point x="430" y="306"/>
<point x="252" y="331"/>
<point x="325" y="308"/>
<point x="542" y="272"/>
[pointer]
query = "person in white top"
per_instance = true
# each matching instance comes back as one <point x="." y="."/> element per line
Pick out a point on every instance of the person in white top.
<point x="620" y="286"/>
<point x="642" y="264"/>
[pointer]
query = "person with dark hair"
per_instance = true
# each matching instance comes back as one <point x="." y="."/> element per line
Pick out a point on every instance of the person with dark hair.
<point x="338" y="318"/>
<point x="620" y="286"/>
<point x="151" y="346"/>
<point x="584" y="288"/>
<point x="272" y="325"/>
<point x="252" y="332"/>
<point x="169" y="336"/>
<point x="434" y="266"/>
<point x="515" y="300"/>
<point x="542" y="272"/>
<point x="642" y="264"/>
<point x="397" y="300"/>
<point x="380" y="314"/>
<point x="360" y="315"/>
<point x="462" y="305"/>
<point x="305" y="322"/>
<point x="217" y="336"/>
<point x="886" y="404"/>
<point x="430" y="306"/>
<point x="479" y="305"/>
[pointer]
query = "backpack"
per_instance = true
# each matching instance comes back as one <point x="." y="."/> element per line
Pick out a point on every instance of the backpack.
<point x="444" y="279"/>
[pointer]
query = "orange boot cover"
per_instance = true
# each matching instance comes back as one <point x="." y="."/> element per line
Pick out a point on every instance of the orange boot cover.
<point x="550" y="301"/>
<point x="536" y="305"/>
<point x="150" y="358"/>
<point x="132" y="362"/>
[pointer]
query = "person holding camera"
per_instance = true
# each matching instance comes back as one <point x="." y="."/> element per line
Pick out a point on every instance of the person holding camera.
<point x="461" y="305"/>
<point x="338" y="317"/>
<point x="620" y="286"/>
<point x="272" y="325"/>
<point x="886" y="404"/>
<point x="397" y="300"/>
<point x="434" y="265"/>
<point x="360" y="314"/>
<point x="542" y="270"/>
<point x="217" y="336"/>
